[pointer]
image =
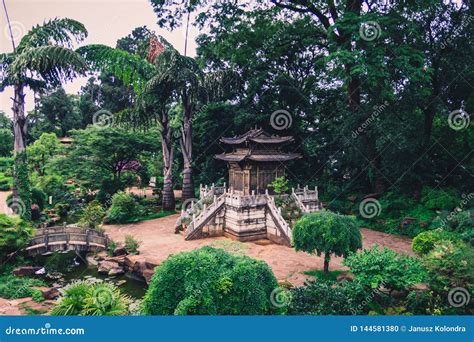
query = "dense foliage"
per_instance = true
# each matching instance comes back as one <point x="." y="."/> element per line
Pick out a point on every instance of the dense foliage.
<point x="99" y="299"/>
<point x="210" y="281"/>
<point x="14" y="234"/>
<point x="375" y="268"/>
<point x="327" y="298"/>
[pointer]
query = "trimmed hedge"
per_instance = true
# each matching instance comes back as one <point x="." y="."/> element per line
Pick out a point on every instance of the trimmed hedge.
<point x="210" y="281"/>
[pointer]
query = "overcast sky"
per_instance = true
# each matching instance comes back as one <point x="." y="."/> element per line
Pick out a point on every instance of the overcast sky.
<point x="105" y="20"/>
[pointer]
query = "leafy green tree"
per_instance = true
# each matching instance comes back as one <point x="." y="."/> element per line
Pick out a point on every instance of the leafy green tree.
<point x="6" y="136"/>
<point x="56" y="112"/>
<point x="328" y="233"/>
<point x="100" y="154"/>
<point x="124" y="208"/>
<point x="42" y="150"/>
<point x="93" y="215"/>
<point x="44" y="57"/>
<point x="210" y="281"/>
<point x="14" y="235"/>
<point x="376" y="267"/>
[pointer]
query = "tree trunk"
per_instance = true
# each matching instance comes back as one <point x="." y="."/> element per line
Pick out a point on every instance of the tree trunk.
<point x="327" y="257"/>
<point x="19" y="119"/>
<point x="168" y="201"/>
<point x="186" y="144"/>
<point x="19" y="134"/>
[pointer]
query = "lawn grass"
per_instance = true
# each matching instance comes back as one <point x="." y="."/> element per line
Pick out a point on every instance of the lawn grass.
<point x="319" y="274"/>
<point x="151" y="216"/>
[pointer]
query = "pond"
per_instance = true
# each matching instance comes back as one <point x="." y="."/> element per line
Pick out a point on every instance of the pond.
<point x="71" y="266"/>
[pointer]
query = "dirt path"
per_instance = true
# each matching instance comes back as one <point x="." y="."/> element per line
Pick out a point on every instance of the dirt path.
<point x="3" y="201"/>
<point x="159" y="241"/>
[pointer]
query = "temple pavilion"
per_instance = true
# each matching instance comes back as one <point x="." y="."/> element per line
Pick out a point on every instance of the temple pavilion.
<point x="255" y="160"/>
<point x="246" y="210"/>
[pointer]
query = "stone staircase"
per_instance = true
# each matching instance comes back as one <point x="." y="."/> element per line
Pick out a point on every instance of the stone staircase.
<point x="219" y="212"/>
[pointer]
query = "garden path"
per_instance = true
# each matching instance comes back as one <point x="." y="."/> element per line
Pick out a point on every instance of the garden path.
<point x="3" y="201"/>
<point x="159" y="241"/>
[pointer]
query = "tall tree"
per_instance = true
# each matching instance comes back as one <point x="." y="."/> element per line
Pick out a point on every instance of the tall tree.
<point x="44" y="57"/>
<point x="153" y="96"/>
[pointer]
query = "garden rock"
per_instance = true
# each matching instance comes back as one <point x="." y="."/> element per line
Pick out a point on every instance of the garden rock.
<point x="345" y="276"/>
<point x="26" y="270"/>
<point x="106" y="266"/>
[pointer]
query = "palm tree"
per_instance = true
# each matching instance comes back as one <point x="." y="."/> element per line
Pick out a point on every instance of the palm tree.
<point x="43" y="58"/>
<point x="153" y="96"/>
<point x="167" y="78"/>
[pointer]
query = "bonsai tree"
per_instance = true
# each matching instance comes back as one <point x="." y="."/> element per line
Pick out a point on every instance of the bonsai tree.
<point x="210" y="281"/>
<point x="327" y="232"/>
<point x="279" y="185"/>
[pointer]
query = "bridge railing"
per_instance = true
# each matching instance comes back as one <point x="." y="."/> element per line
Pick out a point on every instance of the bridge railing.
<point x="67" y="235"/>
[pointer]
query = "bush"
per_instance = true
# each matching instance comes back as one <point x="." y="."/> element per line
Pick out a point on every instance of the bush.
<point x="99" y="299"/>
<point x="327" y="298"/>
<point x="450" y="265"/>
<point x="210" y="281"/>
<point x="12" y="287"/>
<point x="38" y="197"/>
<point x="375" y="267"/>
<point x="14" y="234"/>
<point x="92" y="216"/>
<point x="123" y="209"/>
<point x="424" y="242"/>
<point x="5" y="183"/>
<point x="328" y="233"/>
<point x="460" y="222"/>
<point x="437" y="199"/>
<point x="131" y="244"/>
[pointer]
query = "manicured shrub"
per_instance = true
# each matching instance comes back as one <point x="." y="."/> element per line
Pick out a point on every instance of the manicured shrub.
<point x="210" y="281"/>
<point x="123" y="209"/>
<point x="376" y="267"/>
<point x="99" y="299"/>
<point x="424" y="242"/>
<point x="328" y="298"/>
<point x="14" y="234"/>
<point x="450" y="265"/>
<point x="92" y="216"/>
<point x="328" y="233"/>
<point x="131" y="244"/>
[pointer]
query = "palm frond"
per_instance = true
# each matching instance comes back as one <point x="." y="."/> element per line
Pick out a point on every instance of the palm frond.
<point x="130" y="69"/>
<point x="52" y="63"/>
<point x="60" y="32"/>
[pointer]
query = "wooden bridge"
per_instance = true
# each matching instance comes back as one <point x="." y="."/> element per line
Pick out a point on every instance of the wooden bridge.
<point x="67" y="238"/>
